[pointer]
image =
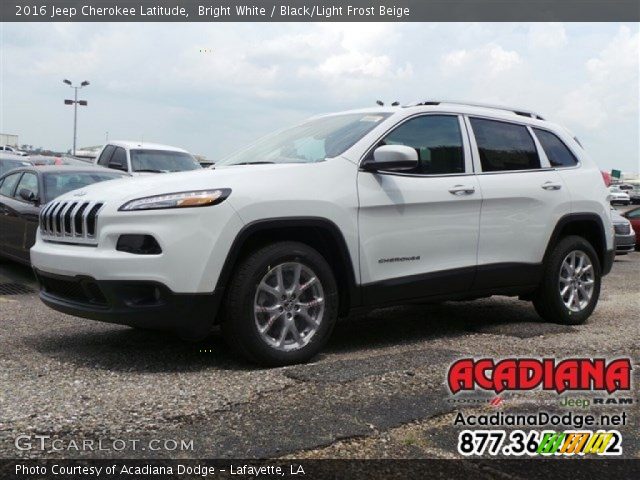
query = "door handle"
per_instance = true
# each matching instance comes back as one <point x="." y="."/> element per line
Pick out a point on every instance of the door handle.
<point x="462" y="190"/>
<point x="551" y="186"/>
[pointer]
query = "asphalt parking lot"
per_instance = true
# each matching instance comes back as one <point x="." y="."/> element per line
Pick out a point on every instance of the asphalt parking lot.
<point x="377" y="391"/>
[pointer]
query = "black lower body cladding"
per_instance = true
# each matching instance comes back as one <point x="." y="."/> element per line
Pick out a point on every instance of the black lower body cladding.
<point x="135" y="303"/>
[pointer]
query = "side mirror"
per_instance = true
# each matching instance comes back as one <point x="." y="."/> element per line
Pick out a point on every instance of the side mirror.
<point x="393" y="158"/>
<point x="117" y="166"/>
<point x="27" y="195"/>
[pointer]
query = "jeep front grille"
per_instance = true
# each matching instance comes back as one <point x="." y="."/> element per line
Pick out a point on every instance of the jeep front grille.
<point x="70" y="222"/>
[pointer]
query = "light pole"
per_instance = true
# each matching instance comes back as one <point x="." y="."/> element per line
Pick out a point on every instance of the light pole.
<point x="75" y="102"/>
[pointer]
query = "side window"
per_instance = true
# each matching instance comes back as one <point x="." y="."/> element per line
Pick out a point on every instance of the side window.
<point x="634" y="214"/>
<point x="28" y="181"/>
<point x="557" y="152"/>
<point x="504" y="146"/>
<point x="105" y="156"/>
<point x="9" y="183"/>
<point x="436" y="138"/>
<point x="119" y="157"/>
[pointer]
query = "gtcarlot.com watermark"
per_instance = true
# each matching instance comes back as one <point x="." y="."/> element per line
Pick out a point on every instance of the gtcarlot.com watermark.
<point x="46" y="443"/>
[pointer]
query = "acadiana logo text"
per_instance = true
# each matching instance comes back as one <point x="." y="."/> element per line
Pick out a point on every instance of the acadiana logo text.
<point x="548" y="373"/>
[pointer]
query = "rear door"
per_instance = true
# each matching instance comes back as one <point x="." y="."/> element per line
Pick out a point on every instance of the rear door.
<point x="523" y="198"/>
<point x="419" y="230"/>
<point x="26" y="217"/>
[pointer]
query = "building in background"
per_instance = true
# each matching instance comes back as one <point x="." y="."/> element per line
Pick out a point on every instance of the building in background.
<point x="203" y="161"/>
<point x="617" y="177"/>
<point x="88" y="152"/>
<point x="9" y="139"/>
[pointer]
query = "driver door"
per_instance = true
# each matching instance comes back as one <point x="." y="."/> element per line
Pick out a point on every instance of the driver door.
<point x="22" y="218"/>
<point x="419" y="230"/>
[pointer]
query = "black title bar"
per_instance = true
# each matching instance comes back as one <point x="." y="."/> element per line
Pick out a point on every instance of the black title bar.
<point x="318" y="10"/>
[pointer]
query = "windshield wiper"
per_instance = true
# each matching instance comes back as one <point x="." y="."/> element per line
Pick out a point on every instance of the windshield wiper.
<point x="253" y="163"/>
<point x="149" y="170"/>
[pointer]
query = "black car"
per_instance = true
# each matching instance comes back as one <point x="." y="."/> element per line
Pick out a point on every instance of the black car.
<point x="23" y="191"/>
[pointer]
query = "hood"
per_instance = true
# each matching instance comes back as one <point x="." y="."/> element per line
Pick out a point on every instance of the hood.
<point x="130" y="188"/>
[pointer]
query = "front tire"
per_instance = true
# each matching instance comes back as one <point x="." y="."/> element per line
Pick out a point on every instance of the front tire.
<point x="571" y="281"/>
<point x="281" y="306"/>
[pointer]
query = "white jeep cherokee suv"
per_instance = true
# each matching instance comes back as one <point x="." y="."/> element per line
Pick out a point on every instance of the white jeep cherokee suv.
<point x="427" y="202"/>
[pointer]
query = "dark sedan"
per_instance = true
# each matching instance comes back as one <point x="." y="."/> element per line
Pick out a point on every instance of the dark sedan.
<point x="25" y="190"/>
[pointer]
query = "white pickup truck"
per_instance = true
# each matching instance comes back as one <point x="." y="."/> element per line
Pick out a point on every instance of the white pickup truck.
<point x="138" y="158"/>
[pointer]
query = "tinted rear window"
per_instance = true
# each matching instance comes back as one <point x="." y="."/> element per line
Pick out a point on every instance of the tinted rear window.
<point x="557" y="152"/>
<point x="105" y="156"/>
<point x="504" y="146"/>
<point x="119" y="157"/>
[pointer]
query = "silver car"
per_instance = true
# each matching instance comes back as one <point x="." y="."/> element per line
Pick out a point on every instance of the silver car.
<point x="625" y="238"/>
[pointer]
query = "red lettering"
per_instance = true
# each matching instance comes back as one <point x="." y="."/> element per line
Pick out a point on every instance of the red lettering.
<point x="592" y="374"/>
<point x="529" y="374"/>
<point x="566" y="376"/>
<point x="461" y="375"/>
<point x="504" y="376"/>
<point x="482" y="379"/>
<point x="618" y="375"/>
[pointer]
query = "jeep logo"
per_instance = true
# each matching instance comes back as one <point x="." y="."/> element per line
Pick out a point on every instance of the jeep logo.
<point x="585" y="402"/>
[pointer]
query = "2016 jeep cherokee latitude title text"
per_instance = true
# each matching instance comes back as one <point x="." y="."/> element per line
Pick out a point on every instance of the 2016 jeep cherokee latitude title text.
<point x="432" y="201"/>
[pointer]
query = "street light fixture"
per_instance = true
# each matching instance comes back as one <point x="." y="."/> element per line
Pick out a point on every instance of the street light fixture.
<point x="75" y="102"/>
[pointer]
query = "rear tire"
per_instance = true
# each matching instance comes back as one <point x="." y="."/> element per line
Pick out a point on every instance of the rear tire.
<point x="281" y="306"/>
<point x="570" y="285"/>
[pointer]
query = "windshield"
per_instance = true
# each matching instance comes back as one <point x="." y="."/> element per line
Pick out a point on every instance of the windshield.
<point x="6" y="165"/>
<point x="312" y="141"/>
<point x="56" y="184"/>
<point x="162" y="161"/>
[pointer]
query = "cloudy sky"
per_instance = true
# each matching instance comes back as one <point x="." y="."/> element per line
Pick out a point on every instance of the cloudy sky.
<point x="212" y="87"/>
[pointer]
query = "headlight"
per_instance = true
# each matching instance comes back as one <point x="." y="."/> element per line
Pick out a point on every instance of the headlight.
<point x="197" y="198"/>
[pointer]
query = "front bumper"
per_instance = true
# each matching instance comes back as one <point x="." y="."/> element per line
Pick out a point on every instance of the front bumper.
<point x="194" y="243"/>
<point x="625" y="243"/>
<point x="140" y="304"/>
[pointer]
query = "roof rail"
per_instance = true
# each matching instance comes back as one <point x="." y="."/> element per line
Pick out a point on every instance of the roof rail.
<point x="517" y="111"/>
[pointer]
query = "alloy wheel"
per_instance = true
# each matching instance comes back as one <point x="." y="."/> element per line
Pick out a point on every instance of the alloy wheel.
<point x="576" y="281"/>
<point x="289" y="306"/>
